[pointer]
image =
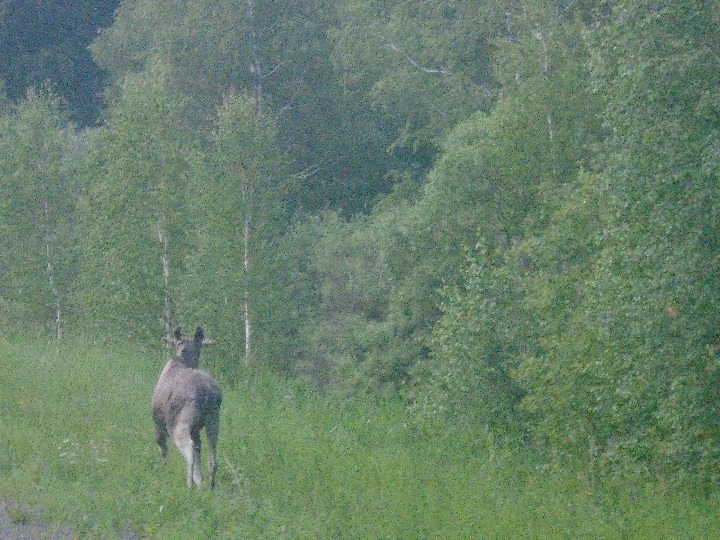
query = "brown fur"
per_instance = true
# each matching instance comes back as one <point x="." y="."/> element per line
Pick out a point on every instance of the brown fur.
<point x="185" y="401"/>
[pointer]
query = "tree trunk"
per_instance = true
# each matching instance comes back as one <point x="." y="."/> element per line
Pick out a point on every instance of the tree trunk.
<point x="42" y="169"/>
<point x="256" y="67"/>
<point x="51" y="272"/>
<point x="247" y="194"/>
<point x="165" y="259"/>
<point x="545" y="68"/>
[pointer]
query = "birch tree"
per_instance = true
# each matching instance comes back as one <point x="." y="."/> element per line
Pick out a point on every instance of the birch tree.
<point x="134" y="209"/>
<point x="37" y="253"/>
<point x="239" y="209"/>
<point x="276" y="52"/>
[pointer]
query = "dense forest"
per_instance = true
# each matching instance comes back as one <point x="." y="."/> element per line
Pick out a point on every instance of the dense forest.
<point x="505" y="213"/>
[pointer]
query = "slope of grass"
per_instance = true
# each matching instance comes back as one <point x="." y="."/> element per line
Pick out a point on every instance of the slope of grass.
<point x="76" y="441"/>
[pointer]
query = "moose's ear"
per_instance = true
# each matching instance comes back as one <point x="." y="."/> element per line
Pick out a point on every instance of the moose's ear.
<point x="199" y="334"/>
<point x="176" y="338"/>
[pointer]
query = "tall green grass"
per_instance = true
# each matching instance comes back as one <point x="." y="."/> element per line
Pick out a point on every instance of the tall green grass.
<point x="76" y="442"/>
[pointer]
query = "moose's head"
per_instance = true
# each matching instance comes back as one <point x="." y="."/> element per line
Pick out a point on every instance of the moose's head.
<point x="187" y="349"/>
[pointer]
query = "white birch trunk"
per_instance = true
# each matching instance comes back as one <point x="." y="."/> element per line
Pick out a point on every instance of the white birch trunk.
<point x="51" y="272"/>
<point x="42" y="169"/>
<point x="258" y="76"/>
<point x="545" y="67"/>
<point x="165" y="260"/>
<point x="246" y="306"/>
<point x="256" y="67"/>
<point x="247" y="221"/>
<point x="551" y="129"/>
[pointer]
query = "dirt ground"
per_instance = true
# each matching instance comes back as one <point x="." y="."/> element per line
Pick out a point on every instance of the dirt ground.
<point x="19" y="523"/>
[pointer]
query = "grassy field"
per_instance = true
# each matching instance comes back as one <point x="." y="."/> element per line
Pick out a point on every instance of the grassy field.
<point x="76" y="444"/>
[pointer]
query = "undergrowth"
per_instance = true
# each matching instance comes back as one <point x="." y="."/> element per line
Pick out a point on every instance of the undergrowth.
<point x="76" y="442"/>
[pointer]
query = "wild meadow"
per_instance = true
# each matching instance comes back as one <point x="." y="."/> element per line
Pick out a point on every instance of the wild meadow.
<point x="77" y="450"/>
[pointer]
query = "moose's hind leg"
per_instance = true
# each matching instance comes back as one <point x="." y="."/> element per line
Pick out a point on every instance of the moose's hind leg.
<point x="212" y="430"/>
<point x="196" y="468"/>
<point x="190" y="452"/>
<point x="161" y="439"/>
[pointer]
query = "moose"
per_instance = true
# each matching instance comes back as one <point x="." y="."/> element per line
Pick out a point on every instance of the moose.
<point x="186" y="400"/>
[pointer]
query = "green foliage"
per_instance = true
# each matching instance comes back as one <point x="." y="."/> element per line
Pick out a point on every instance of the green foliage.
<point x="346" y="333"/>
<point x="474" y="347"/>
<point x="566" y="385"/>
<point x="495" y="184"/>
<point x="237" y="218"/>
<point x="425" y="65"/>
<point x="135" y="195"/>
<point x="204" y="44"/>
<point x="590" y="309"/>
<point x="37" y="210"/>
<point x="655" y="292"/>
<point x="278" y="53"/>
